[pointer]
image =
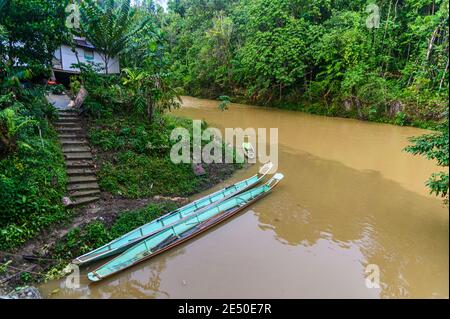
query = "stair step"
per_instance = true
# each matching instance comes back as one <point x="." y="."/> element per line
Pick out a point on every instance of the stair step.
<point x="80" y="171"/>
<point x="83" y="201"/>
<point x="67" y="124"/>
<point x="69" y="129"/>
<point x="68" y="135"/>
<point x="82" y="179"/>
<point x="75" y="149"/>
<point x="68" y="115"/>
<point x="73" y="142"/>
<point x="83" y="186"/>
<point x="64" y="121"/>
<point x="68" y="111"/>
<point x="79" y="164"/>
<point x="68" y="119"/>
<point x="83" y="193"/>
<point x="78" y="156"/>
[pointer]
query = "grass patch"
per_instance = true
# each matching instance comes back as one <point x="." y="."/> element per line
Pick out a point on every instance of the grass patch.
<point x="134" y="157"/>
<point x="136" y="175"/>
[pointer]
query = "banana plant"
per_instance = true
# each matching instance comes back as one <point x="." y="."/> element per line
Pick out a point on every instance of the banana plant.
<point x="13" y="78"/>
<point x="150" y="91"/>
<point x="10" y="126"/>
<point x="110" y="26"/>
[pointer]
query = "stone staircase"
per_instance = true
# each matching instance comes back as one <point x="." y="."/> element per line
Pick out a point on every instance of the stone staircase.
<point x="82" y="188"/>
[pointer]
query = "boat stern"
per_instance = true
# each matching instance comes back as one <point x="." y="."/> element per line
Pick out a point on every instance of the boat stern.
<point x="77" y="262"/>
<point x="93" y="277"/>
<point x="275" y="180"/>
<point x="266" y="169"/>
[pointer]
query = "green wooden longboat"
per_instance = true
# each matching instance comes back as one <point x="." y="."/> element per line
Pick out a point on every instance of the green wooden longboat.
<point x="122" y="243"/>
<point x="185" y="229"/>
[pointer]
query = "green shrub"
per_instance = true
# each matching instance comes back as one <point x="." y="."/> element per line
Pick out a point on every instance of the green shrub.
<point x="79" y="241"/>
<point x="225" y="102"/>
<point x="32" y="184"/>
<point x="400" y="119"/>
<point x="25" y="277"/>
<point x="435" y="147"/>
<point x="33" y="176"/>
<point x="57" y="89"/>
<point x="75" y="85"/>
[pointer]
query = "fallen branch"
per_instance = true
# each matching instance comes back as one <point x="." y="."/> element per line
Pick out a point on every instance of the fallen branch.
<point x="21" y="271"/>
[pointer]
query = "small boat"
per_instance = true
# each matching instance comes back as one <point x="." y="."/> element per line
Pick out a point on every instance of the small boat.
<point x="248" y="150"/>
<point x="185" y="229"/>
<point x="122" y="243"/>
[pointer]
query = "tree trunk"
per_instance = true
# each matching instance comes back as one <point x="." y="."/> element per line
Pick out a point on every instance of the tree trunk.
<point x="443" y="76"/>
<point x="105" y="59"/>
<point x="74" y="49"/>
<point x="430" y="45"/>
<point x="107" y="64"/>
<point x="387" y="22"/>
<point x="150" y="113"/>
<point x="384" y="38"/>
<point x="390" y="35"/>
<point x="3" y="147"/>
<point x="6" y="145"/>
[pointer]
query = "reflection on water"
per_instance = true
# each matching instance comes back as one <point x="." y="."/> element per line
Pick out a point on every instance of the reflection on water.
<point x="404" y="233"/>
<point x="350" y="198"/>
<point x="134" y="283"/>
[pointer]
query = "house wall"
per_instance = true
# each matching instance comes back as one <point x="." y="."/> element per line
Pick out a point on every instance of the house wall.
<point x="68" y="58"/>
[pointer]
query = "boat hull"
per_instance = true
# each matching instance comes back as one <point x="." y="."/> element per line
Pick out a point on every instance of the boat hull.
<point x="203" y="227"/>
<point x="128" y="240"/>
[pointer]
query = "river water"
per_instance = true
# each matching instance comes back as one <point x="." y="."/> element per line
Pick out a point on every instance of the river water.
<point x="350" y="198"/>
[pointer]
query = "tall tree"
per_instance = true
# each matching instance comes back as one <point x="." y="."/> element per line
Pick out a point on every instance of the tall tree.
<point x="109" y="25"/>
<point x="32" y="31"/>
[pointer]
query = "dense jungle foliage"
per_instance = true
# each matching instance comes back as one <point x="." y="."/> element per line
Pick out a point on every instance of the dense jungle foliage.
<point x="381" y="61"/>
<point x="377" y="60"/>
<point x="385" y="61"/>
<point x="32" y="170"/>
<point x="124" y="113"/>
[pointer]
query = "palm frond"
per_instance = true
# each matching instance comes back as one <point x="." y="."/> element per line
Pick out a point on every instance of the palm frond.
<point x="109" y="25"/>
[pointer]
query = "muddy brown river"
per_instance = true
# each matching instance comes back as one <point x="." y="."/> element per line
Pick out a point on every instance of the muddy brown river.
<point x="350" y="198"/>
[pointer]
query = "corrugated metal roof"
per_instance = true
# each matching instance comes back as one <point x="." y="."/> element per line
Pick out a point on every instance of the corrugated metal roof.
<point x="83" y="43"/>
